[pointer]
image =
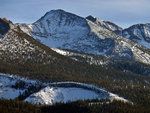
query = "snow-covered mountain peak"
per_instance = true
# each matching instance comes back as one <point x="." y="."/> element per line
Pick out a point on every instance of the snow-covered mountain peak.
<point x="58" y="23"/>
<point x="139" y="33"/>
<point x="50" y="14"/>
<point x="60" y="29"/>
<point x="61" y="18"/>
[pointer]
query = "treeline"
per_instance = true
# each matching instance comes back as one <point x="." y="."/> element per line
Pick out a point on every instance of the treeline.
<point x="14" y="106"/>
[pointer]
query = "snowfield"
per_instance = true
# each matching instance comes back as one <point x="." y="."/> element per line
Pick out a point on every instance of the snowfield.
<point x="53" y="92"/>
<point x="50" y="95"/>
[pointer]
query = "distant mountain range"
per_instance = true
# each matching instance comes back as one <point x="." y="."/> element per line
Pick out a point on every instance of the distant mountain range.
<point x="60" y="29"/>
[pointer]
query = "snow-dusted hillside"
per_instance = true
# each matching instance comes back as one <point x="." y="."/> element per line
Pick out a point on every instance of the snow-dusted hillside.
<point x="139" y="33"/>
<point x="121" y="65"/>
<point x="16" y="46"/>
<point x="53" y="92"/>
<point x="60" y="29"/>
<point x="82" y="57"/>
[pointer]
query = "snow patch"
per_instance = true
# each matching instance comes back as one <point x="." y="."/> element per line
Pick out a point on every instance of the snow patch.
<point x="51" y="95"/>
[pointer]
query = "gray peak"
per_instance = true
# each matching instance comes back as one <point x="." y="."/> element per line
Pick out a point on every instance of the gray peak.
<point x="59" y="15"/>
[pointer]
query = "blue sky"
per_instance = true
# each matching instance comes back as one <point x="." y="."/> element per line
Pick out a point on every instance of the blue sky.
<point x="121" y="12"/>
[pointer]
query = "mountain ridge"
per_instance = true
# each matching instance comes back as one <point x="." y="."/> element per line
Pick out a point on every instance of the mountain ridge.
<point x="80" y="34"/>
<point x="139" y="33"/>
<point x="106" y="24"/>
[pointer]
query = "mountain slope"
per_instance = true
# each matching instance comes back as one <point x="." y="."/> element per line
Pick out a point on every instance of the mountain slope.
<point x="121" y="65"/>
<point x="16" y="46"/>
<point x="60" y="29"/>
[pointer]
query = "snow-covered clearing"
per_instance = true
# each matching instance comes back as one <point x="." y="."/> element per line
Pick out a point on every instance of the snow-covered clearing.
<point x="53" y="92"/>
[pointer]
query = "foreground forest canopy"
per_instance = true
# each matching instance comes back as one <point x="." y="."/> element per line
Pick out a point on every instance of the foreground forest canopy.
<point x="15" y="106"/>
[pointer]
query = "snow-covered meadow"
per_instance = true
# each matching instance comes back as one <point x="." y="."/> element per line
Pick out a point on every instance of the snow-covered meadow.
<point x="51" y="93"/>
